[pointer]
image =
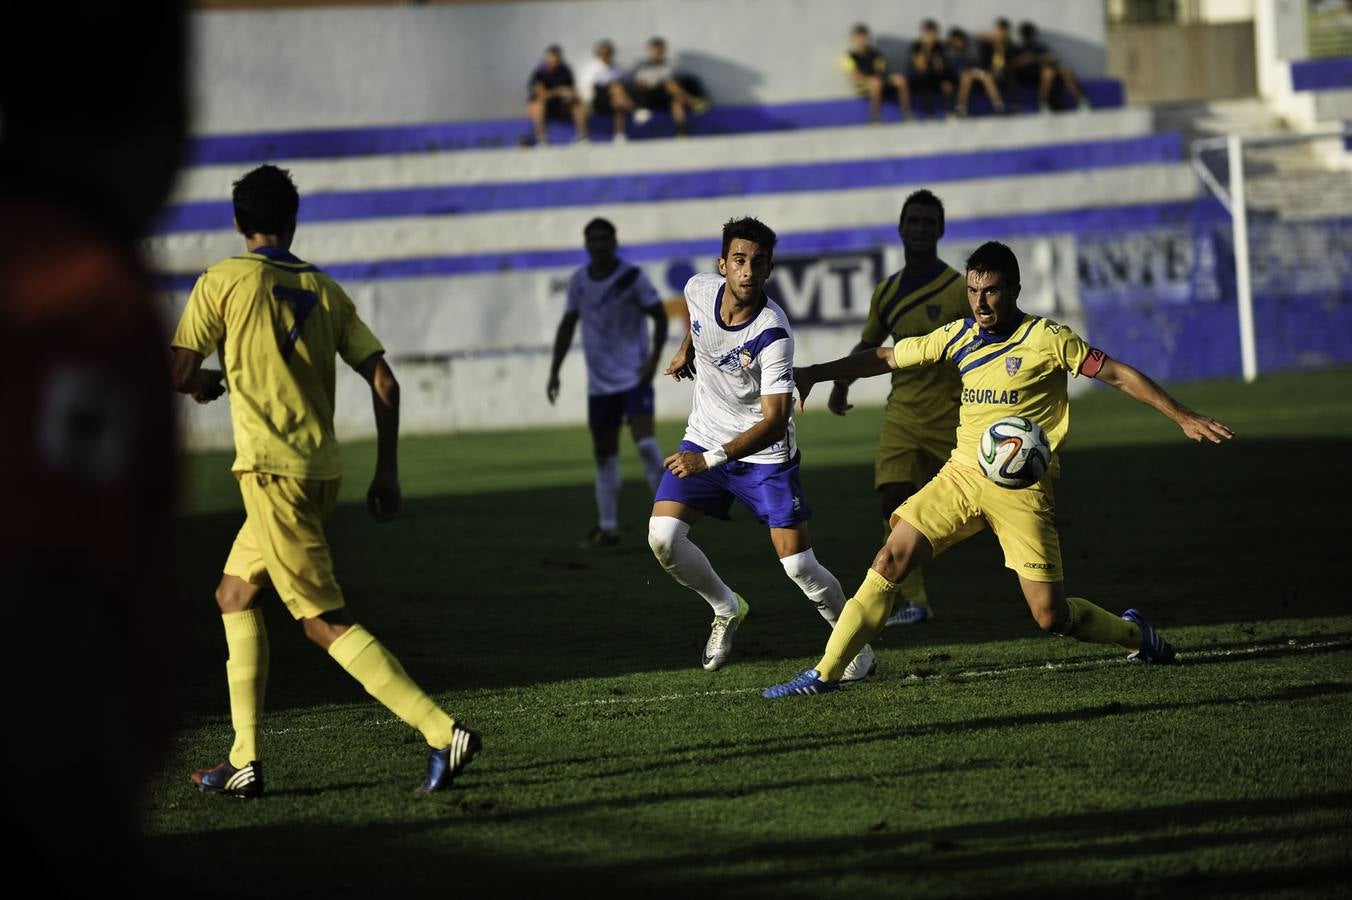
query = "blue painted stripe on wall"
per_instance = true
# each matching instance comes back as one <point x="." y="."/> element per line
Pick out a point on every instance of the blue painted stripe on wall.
<point x="1322" y="74"/>
<point x="335" y="143"/>
<point x="1138" y="217"/>
<point x="655" y="187"/>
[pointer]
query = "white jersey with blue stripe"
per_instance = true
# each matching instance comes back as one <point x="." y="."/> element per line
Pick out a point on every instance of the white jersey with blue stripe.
<point x="736" y="365"/>
<point x="614" y="312"/>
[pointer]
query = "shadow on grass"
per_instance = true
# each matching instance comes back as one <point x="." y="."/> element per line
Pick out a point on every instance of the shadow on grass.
<point x="490" y="590"/>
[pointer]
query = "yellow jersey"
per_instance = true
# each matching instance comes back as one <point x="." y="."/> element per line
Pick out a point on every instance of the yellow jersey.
<point x="905" y="306"/>
<point x="1019" y="374"/>
<point x="278" y="323"/>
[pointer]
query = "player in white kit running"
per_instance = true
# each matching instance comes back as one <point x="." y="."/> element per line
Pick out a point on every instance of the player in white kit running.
<point x="739" y="440"/>
<point x="614" y="300"/>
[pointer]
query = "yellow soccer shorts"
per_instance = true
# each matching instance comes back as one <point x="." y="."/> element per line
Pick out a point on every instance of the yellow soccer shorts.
<point x="960" y="501"/>
<point x="908" y="453"/>
<point x="282" y="541"/>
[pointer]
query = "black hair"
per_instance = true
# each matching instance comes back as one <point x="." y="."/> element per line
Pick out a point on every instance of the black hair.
<point x="995" y="257"/>
<point x="749" y="229"/>
<point x="929" y="25"/>
<point x="599" y="223"/>
<point x="925" y="198"/>
<point x="266" y="201"/>
<point x="859" y="28"/>
<point x="1002" y="22"/>
<point x="554" y="50"/>
<point x="657" y="42"/>
<point x="1027" y="30"/>
<point x="955" y="31"/>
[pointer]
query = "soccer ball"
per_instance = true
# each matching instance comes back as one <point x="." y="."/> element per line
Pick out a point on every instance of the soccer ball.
<point x="1014" y="452"/>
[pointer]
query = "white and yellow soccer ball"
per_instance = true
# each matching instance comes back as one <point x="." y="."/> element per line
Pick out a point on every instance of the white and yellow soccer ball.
<point x="1014" y="452"/>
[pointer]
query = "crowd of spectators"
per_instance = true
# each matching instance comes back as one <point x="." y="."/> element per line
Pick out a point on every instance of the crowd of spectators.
<point x="937" y="74"/>
<point x="941" y="71"/>
<point x="603" y="88"/>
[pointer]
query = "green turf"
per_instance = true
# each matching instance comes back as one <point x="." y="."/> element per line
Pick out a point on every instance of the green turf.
<point x="984" y="759"/>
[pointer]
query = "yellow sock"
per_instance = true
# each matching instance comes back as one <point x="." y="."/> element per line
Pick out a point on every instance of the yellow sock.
<point x="247" y="673"/>
<point x="860" y="621"/>
<point x="365" y="659"/>
<point x="1095" y="625"/>
<point x="912" y="588"/>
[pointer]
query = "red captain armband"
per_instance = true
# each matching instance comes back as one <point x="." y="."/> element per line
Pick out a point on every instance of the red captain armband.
<point x="1093" y="362"/>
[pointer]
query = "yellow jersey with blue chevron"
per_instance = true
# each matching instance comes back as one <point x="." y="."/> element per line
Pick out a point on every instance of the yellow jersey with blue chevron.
<point x="278" y="323"/>
<point x="1022" y="373"/>
<point x="906" y="306"/>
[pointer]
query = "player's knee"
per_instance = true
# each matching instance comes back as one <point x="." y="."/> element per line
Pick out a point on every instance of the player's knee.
<point x="664" y="532"/>
<point x="892" y="562"/>
<point x="798" y="565"/>
<point x="234" y="595"/>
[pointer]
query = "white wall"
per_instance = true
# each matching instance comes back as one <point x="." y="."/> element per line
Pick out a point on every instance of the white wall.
<point x="259" y="71"/>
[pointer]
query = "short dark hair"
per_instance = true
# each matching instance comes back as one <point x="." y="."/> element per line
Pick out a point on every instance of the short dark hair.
<point x="266" y="201"/>
<point x="995" y="257"/>
<point x="859" y="28"/>
<point x="749" y="229"/>
<point x="1027" y="30"/>
<point x="929" y="25"/>
<point x="657" y="42"/>
<point x="1002" y="22"/>
<point x="554" y="50"/>
<point x="924" y="197"/>
<point x="599" y="224"/>
<point x="956" y="32"/>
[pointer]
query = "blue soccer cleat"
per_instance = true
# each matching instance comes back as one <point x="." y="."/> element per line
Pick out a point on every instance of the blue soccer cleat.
<point x="245" y="782"/>
<point x="805" y="685"/>
<point x="1154" y="648"/>
<point x="445" y="764"/>
<point x="911" y="614"/>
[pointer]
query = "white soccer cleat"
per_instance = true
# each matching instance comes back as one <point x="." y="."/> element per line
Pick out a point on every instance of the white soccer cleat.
<point x="861" y="667"/>
<point x="719" y="645"/>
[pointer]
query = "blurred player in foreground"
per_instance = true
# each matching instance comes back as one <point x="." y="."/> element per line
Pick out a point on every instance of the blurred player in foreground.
<point x="1011" y="364"/>
<point x="279" y="322"/>
<point x="614" y="300"/>
<point x="739" y="440"/>
<point x="921" y="419"/>
<point x="86" y="555"/>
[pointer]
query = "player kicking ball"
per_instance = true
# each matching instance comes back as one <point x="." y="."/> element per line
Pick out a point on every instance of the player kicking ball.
<point x="739" y="441"/>
<point x="279" y="323"/>
<point x="1011" y="364"/>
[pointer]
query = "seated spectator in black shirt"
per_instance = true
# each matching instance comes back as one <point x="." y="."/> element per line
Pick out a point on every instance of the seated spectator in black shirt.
<point x="928" y="73"/>
<point x="958" y="57"/>
<point x="553" y="96"/>
<point x="655" y="85"/>
<point x="997" y="58"/>
<point x="1035" y="63"/>
<point x="867" y="70"/>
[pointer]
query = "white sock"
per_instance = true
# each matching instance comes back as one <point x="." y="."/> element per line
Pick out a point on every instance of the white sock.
<point x="669" y="538"/>
<point x="651" y="454"/>
<point x="817" y="582"/>
<point x="608" y="492"/>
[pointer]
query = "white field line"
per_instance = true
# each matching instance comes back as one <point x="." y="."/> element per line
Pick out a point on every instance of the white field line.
<point x="1289" y="647"/>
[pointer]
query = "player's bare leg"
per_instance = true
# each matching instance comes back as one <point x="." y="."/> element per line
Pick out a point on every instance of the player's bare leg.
<point x="903" y="95"/>
<point x="669" y="538"/>
<point x="914" y="606"/>
<point x="1044" y="88"/>
<point x="793" y="546"/>
<point x="992" y="91"/>
<point x="579" y="116"/>
<point x="964" y="92"/>
<point x="1078" y="618"/>
<point x="643" y="431"/>
<point x="535" y="111"/>
<point x="875" y="98"/>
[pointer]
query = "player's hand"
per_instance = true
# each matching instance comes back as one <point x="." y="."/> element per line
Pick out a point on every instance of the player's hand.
<point x="804" y="385"/>
<point x="1204" y="428"/>
<point x="384" y="499"/>
<point x="213" y="386"/>
<point x="552" y="389"/>
<point x="682" y="365"/>
<point x="839" y="401"/>
<point x="686" y="463"/>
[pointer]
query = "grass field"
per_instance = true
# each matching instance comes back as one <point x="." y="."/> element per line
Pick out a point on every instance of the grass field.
<point x="985" y="758"/>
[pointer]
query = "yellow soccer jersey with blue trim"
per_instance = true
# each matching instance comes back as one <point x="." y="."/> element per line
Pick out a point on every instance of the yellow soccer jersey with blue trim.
<point x="1019" y="374"/>
<point x="904" y="307"/>
<point x="279" y="323"/>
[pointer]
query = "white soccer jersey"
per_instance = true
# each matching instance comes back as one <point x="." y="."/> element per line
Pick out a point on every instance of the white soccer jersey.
<point x="734" y="367"/>
<point x="614" y="313"/>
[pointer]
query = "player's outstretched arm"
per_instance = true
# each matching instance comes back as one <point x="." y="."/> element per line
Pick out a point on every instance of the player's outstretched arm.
<point x="1138" y="386"/>
<point x="563" y="339"/>
<point x="864" y="364"/>
<point x="188" y="376"/>
<point x="839" y="401"/>
<point x="384" y="497"/>
<point x="776" y="411"/>
<point x="682" y="365"/>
